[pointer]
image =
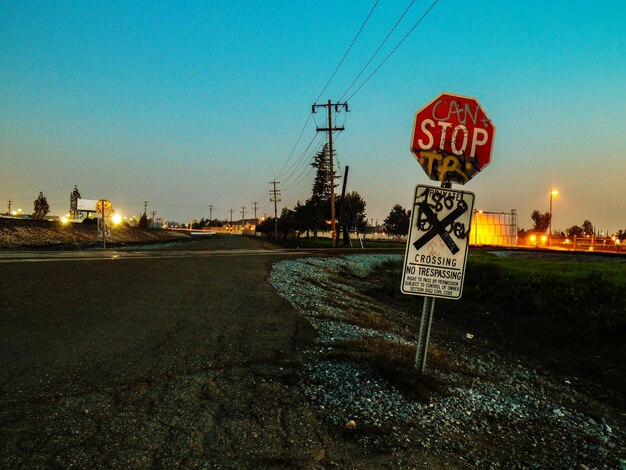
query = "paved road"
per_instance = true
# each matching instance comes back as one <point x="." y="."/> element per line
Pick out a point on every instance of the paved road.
<point x="188" y="359"/>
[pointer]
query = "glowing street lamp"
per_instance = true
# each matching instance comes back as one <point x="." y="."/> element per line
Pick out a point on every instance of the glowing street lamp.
<point x="553" y="192"/>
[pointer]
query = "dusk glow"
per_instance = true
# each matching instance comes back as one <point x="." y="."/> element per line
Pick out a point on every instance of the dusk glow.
<point x="187" y="105"/>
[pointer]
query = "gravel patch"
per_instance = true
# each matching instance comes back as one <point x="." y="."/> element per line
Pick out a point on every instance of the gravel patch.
<point x="494" y="413"/>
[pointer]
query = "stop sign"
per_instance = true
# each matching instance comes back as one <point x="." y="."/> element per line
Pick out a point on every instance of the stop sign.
<point x="452" y="138"/>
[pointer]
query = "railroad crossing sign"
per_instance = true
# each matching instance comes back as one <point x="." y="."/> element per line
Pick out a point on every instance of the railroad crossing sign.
<point x="452" y="138"/>
<point x="436" y="251"/>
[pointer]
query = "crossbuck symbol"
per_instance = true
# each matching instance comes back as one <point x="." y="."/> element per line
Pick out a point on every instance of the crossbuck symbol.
<point x="439" y="227"/>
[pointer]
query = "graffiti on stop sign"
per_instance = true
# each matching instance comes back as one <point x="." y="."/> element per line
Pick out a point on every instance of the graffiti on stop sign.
<point x="452" y="138"/>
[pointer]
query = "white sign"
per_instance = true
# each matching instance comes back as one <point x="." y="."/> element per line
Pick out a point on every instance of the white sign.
<point x="86" y="205"/>
<point x="436" y="250"/>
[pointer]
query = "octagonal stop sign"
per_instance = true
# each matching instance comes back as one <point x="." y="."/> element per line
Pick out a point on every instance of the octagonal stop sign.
<point x="452" y="138"/>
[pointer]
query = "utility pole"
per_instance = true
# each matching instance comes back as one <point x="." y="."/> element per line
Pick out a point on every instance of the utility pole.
<point x="145" y="207"/>
<point x="243" y="216"/>
<point x="154" y="218"/>
<point x="10" y="206"/>
<point x="330" y="129"/>
<point x="275" y="198"/>
<point x="231" y="217"/>
<point x="210" y="214"/>
<point x="346" y="235"/>
<point x="255" y="206"/>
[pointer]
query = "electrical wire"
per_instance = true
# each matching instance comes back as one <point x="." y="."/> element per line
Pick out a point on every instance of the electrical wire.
<point x="321" y="93"/>
<point x="299" y="181"/>
<point x="309" y="160"/>
<point x="394" y="49"/>
<point x="348" y="50"/>
<point x="300" y="163"/>
<point x="295" y="146"/>
<point x="377" y="50"/>
<point x="296" y="163"/>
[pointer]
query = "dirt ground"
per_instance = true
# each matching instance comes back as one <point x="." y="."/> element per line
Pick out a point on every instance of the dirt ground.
<point x="29" y="234"/>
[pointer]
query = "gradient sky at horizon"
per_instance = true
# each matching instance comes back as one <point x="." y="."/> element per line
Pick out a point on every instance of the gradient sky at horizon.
<point x="186" y="104"/>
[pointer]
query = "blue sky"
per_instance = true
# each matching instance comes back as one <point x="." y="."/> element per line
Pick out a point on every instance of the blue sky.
<point x="187" y="104"/>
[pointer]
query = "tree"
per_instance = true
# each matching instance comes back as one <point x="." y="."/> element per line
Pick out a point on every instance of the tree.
<point x="286" y="223"/>
<point x="588" y="227"/>
<point x="143" y="221"/>
<point x="575" y="231"/>
<point x="353" y="214"/>
<point x="303" y="215"/>
<point x="266" y="227"/>
<point x="319" y="202"/>
<point x="398" y="220"/>
<point x="41" y="207"/>
<point x="542" y="221"/>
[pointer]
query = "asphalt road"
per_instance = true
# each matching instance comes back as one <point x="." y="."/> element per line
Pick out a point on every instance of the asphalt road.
<point x="167" y="361"/>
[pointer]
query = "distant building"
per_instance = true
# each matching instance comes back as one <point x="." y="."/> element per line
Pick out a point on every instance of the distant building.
<point x="494" y="228"/>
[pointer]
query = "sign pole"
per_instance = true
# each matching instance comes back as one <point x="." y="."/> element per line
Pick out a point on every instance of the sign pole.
<point x="104" y="233"/>
<point x="424" y="333"/>
<point x="428" y="309"/>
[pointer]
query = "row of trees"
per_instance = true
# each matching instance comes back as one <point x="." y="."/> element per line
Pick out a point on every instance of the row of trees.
<point x="313" y="216"/>
<point x="542" y="224"/>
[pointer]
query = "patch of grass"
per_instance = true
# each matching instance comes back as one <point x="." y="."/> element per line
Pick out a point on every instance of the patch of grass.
<point x="441" y="359"/>
<point x="566" y="298"/>
<point x="563" y="268"/>
<point x="570" y="301"/>
<point x="392" y="361"/>
<point x="361" y="318"/>
<point x="370" y="320"/>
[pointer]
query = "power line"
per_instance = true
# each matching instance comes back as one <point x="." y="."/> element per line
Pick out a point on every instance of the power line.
<point x="302" y="161"/>
<point x="296" y="163"/>
<point x="309" y="160"/>
<point x="300" y="180"/>
<point x="378" y="50"/>
<point x="295" y="146"/>
<point x="394" y="49"/>
<point x="348" y="50"/>
<point x="280" y="173"/>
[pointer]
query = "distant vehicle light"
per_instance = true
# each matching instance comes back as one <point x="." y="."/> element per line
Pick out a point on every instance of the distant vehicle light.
<point x="117" y="219"/>
<point x="64" y="220"/>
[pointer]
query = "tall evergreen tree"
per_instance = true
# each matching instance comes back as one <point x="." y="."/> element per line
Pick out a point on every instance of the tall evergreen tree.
<point x="319" y="202"/>
<point x="41" y="207"/>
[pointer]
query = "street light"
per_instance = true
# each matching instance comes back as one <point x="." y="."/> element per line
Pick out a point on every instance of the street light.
<point x="553" y="192"/>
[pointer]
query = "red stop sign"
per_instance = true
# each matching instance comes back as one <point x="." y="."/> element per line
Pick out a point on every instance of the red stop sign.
<point x="452" y="138"/>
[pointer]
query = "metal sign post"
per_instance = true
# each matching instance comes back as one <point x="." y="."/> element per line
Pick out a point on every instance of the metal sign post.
<point x="424" y="334"/>
<point x="104" y="209"/>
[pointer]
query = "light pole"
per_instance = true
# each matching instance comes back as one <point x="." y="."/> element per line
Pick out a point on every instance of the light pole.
<point x="553" y="192"/>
